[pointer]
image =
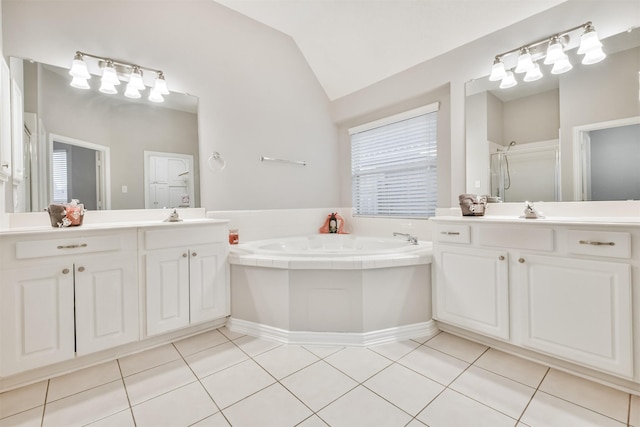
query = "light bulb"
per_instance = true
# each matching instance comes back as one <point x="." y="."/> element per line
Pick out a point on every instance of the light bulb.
<point x="135" y="78"/>
<point x="109" y="74"/>
<point x="593" y="56"/>
<point x="508" y="81"/>
<point x="554" y="51"/>
<point x="160" y="85"/>
<point x="533" y="74"/>
<point x="108" y="88"/>
<point x="589" y="40"/>
<point x="497" y="71"/>
<point x="132" y="91"/>
<point x="155" y="96"/>
<point x="79" y="83"/>
<point x="525" y="63"/>
<point x="79" y="68"/>
<point x="562" y="65"/>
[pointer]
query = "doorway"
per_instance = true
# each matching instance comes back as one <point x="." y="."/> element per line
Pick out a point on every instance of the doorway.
<point x="168" y="180"/>
<point x="80" y="170"/>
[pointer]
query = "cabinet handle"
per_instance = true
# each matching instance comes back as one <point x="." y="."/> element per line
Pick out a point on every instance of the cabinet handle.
<point x="594" y="243"/>
<point x="521" y="260"/>
<point x="82" y="245"/>
<point x="80" y="269"/>
<point x="194" y="253"/>
<point x="65" y="271"/>
<point x="450" y="233"/>
<point x="501" y="257"/>
<point x="184" y="255"/>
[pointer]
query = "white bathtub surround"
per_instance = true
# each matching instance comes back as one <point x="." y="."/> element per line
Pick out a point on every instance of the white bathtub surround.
<point x="267" y="224"/>
<point x="332" y="289"/>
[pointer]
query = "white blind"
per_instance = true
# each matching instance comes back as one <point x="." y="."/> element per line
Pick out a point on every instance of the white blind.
<point x="60" y="192"/>
<point x="394" y="166"/>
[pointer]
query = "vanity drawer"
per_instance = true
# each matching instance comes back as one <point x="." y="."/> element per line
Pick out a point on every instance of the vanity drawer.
<point x="452" y="233"/>
<point x="183" y="236"/>
<point x="599" y="243"/>
<point x="72" y="246"/>
<point x="532" y="238"/>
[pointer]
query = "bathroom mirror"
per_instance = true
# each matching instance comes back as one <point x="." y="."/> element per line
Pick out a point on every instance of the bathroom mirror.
<point x="110" y="134"/>
<point x="532" y="141"/>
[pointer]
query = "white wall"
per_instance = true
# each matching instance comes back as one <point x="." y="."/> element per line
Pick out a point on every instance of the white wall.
<point x="258" y="96"/>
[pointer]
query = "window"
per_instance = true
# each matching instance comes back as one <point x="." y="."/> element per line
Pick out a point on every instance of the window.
<point x="394" y="165"/>
<point x="60" y="193"/>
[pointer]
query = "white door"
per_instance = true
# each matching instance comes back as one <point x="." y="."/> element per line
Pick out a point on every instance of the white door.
<point x="579" y="310"/>
<point x="167" y="290"/>
<point x="208" y="283"/>
<point x="106" y="302"/>
<point x="37" y="317"/>
<point x="472" y="289"/>
<point x="169" y="180"/>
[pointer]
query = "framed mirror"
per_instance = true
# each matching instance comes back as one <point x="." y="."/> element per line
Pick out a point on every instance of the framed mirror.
<point x="534" y="141"/>
<point x="102" y="139"/>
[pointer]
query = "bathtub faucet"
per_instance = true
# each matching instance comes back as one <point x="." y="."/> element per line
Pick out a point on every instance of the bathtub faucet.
<point x="410" y="238"/>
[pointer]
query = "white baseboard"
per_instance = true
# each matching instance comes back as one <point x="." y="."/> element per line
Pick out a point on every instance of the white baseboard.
<point x="355" y="339"/>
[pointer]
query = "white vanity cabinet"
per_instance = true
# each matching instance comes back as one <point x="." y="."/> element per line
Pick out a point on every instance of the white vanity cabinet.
<point x="185" y="276"/>
<point x="565" y="291"/>
<point x="65" y="294"/>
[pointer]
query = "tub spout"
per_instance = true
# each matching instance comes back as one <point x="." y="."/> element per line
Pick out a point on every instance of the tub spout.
<point x="411" y="239"/>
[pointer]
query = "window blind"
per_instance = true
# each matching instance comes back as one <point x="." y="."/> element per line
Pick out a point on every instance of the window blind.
<point x="394" y="165"/>
<point x="60" y="191"/>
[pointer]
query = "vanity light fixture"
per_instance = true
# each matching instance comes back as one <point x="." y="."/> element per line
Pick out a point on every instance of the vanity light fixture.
<point x="552" y="49"/>
<point x="112" y="72"/>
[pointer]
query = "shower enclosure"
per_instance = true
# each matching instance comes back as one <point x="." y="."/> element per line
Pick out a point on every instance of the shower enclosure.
<point x="526" y="173"/>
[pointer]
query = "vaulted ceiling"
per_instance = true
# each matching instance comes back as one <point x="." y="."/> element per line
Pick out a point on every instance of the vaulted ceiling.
<point x="351" y="44"/>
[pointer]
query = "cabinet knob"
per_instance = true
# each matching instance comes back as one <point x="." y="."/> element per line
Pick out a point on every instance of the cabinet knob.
<point x="501" y="257"/>
<point x="80" y="269"/>
<point x="521" y="260"/>
<point x="194" y="253"/>
<point x="65" y="271"/>
<point x="184" y="255"/>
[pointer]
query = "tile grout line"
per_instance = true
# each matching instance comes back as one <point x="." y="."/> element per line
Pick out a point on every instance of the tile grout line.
<point x="532" y="396"/>
<point x="126" y="392"/>
<point x="44" y="404"/>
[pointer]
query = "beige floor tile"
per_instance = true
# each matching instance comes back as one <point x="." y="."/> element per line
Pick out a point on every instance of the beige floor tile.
<point x="153" y="382"/>
<point x="200" y="342"/>
<point x="121" y="419"/>
<point x="497" y="392"/>
<point x="82" y="380"/>
<point x="453" y="409"/>
<point x="215" y="420"/>
<point x="285" y="360"/>
<point x="319" y="384"/>
<point x="434" y="364"/>
<point x="313" y="421"/>
<point x="87" y="406"/>
<point x="254" y="346"/>
<point x="405" y="388"/>
<point x="455" y="346"/>
<point x="230" y="385"/>
<point x="215" y="359"/>
<point x="599" y="398"/>
<point x="513" y="367"/>
<point x="229" y="333"/>
<point x="323" y="351"/>
<point x="22" y="399"/>
<point x="30" y="418"/>
<point x="358" y="362"/>
<point x="181" y="407"/>
<point x="549" y="411"/>
<point x="273" y="406"/>
<point x="148" y="359"/>
<point x="396" y="350"/>
<point x="362" y="407"/>
<point x="415" y="423"/>
<point x="634" y="414"/>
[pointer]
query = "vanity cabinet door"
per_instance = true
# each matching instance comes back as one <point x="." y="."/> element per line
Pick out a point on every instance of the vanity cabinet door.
<point x="578" y="310"/>
<point x="37" y="327"/>
<point x="471" y="289"/>
<point x="167" y="289"/>
<point x="106" y="302"/>
<point x="208" y="287"/>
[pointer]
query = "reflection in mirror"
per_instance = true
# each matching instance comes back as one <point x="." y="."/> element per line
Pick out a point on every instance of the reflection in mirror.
<point x="523" y="142"/>
<point x="115" y="132"/>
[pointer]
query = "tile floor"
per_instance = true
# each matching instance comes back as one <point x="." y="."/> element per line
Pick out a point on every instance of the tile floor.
<point x="219" y="378"/>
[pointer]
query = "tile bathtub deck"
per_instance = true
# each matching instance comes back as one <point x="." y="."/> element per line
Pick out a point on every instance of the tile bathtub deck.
<point x="219" y="378"/>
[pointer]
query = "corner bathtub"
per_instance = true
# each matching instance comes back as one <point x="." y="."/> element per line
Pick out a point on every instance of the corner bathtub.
<point x="332" y="289"/>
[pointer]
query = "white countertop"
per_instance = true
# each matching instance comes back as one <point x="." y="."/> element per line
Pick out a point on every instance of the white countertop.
<point x="549" y="220"/>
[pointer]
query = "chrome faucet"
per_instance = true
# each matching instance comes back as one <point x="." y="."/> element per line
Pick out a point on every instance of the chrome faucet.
<point x="530" y="212"/>
<point x="411" y="239"/>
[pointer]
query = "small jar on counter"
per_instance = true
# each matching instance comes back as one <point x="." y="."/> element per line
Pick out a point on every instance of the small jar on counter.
<point x="234" y="237"/>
